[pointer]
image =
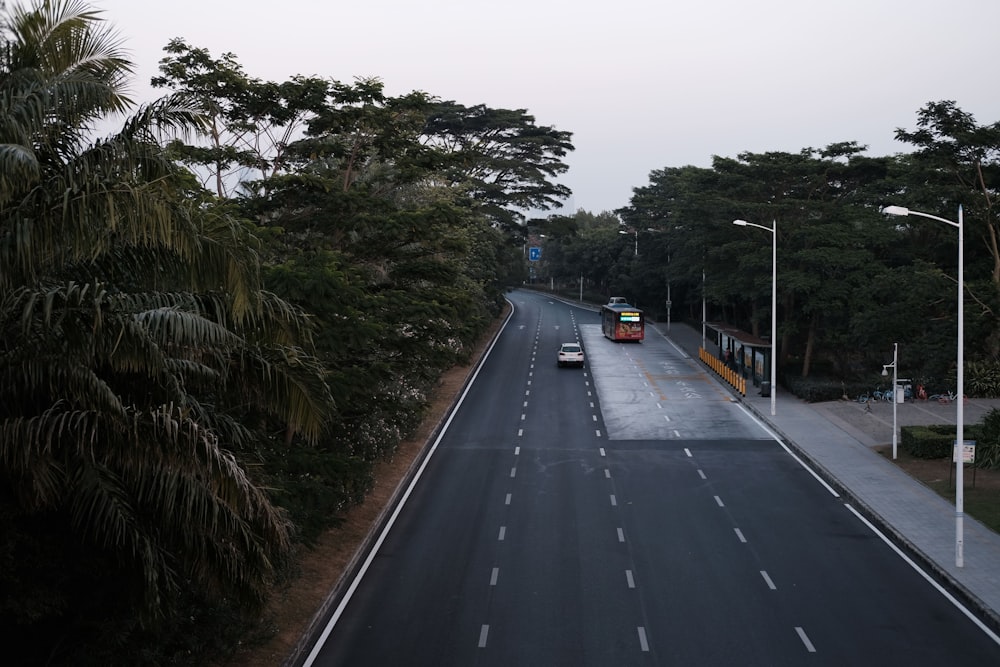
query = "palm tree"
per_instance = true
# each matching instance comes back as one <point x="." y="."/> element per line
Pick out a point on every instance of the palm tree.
<point x="135" y="342"/>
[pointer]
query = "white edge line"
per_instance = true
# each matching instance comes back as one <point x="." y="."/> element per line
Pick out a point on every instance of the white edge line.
<point x="318" y="646"/>
<point x="795" y="456"/>
<point x="948" y="596"/>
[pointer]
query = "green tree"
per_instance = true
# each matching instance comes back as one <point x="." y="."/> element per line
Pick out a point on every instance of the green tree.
<point x="136" y="348"/>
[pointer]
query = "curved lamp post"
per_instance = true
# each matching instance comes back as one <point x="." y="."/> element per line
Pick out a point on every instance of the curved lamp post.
<point x="960" y="415"/>
<point x="774" y="300"/>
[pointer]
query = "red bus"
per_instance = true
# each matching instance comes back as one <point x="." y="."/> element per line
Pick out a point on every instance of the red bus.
<point x="620" y="321"/>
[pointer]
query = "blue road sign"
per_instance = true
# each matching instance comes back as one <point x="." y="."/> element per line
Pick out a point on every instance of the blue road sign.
<point x="534" y="254"/>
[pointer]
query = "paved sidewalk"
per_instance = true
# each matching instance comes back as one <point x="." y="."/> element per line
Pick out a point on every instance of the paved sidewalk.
<point x="837" y="439"/>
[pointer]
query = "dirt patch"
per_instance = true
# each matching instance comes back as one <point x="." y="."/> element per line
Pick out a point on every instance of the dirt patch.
<point x="939" y="474"/>
<point x="291" y="610"/>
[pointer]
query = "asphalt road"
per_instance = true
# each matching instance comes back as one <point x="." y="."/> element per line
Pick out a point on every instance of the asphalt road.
<point x="628" y="513"/>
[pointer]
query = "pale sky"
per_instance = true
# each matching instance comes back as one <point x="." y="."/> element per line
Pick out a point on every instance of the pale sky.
<point x="641" y="84"/>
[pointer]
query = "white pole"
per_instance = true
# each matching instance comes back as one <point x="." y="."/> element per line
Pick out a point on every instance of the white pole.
<point x="895" y="390"/>
<point x="960" y="426"/>
<point x="774" y="312"/>
<point x="703" y="308"/>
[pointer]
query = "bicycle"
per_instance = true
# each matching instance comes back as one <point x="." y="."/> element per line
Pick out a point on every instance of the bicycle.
<point x="947" y="397"/>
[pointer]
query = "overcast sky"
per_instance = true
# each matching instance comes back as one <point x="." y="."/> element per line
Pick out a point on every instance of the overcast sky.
<point x="641" y="84"/>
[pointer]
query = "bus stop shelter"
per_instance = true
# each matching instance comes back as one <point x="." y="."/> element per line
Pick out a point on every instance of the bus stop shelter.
<point x="745" y="353"/>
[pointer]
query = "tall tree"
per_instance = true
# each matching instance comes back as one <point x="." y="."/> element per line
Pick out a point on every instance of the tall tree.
<point x="134" y="342"/>
<point x="504" y="161"/>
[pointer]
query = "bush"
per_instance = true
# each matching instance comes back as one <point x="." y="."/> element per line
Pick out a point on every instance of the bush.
<point x="988" y="445"/>
<point x="934" y="442"/>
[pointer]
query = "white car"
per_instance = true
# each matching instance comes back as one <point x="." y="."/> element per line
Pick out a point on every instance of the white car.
<point x="570" y="354"/>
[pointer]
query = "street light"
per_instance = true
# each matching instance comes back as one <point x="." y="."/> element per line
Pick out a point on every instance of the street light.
<point x="895" y="388"/>
<point x="774" y="300"/>
<point x="960" y="415"/>
<point x="636" y="240"/>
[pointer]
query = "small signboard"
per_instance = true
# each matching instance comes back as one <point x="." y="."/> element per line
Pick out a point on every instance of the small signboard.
<point x="968" y="452"/>
<point x="534" y="253"/>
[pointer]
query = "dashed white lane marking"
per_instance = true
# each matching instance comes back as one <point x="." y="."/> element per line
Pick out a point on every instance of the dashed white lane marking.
<point x="483" y="633"/>
<point x="503" y="533"/>
<point x="687" y="451"/>
<point x="767" y="580"/>
<point x="667" y="417"/>
<point x="522" y="416"/>
<point x="602" y="451"/>
<point x="614" y="501"/>
<point x="701" y="473"/>
<point x="513" y="471"/>
<point x="607" y="473"/>
<point x="525" y="404"/>
<point x="717" y="499"/>
<point x="494" y="576"/>
<point x="629" y="579"/>
<point x="621" y="535"/>
<point x="520" y="432"/>
<point x="517" y="451"/>
<point x="643" y="644"/>
<point x="677" y="433"/>
<point x="506" y="501"/>
<point x="805" y="639"/>
<point x="739" y="534"/>
<point x="598" y="432"/>
<point x="595" y="417"/>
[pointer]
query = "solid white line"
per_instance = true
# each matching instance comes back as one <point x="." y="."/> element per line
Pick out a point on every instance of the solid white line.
<point x="494" y="576"/>
<point x="790" y="452"/>
<point x="643" y="644"/>
<point x="767" y="580"/>
<point x="739" y="534"/>
<point x="483" y="632"/>
<point x="719" y="501"/>
<point x="805" y="640"/>
<point x="348" y="594"/>
<point x="503" y="533"/>
<point x="621" y="535"/>
<point x="629" y="579"/>
<point x="940" y="589"/>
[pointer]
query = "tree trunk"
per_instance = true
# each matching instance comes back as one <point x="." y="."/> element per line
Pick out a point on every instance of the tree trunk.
<point x="810" y="340"/>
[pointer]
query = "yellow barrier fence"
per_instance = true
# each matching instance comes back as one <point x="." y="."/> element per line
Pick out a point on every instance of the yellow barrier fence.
<point x="726" y="373"/>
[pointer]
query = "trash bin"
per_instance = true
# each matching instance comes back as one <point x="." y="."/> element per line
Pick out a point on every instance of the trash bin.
<point x="765" y="389"/>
